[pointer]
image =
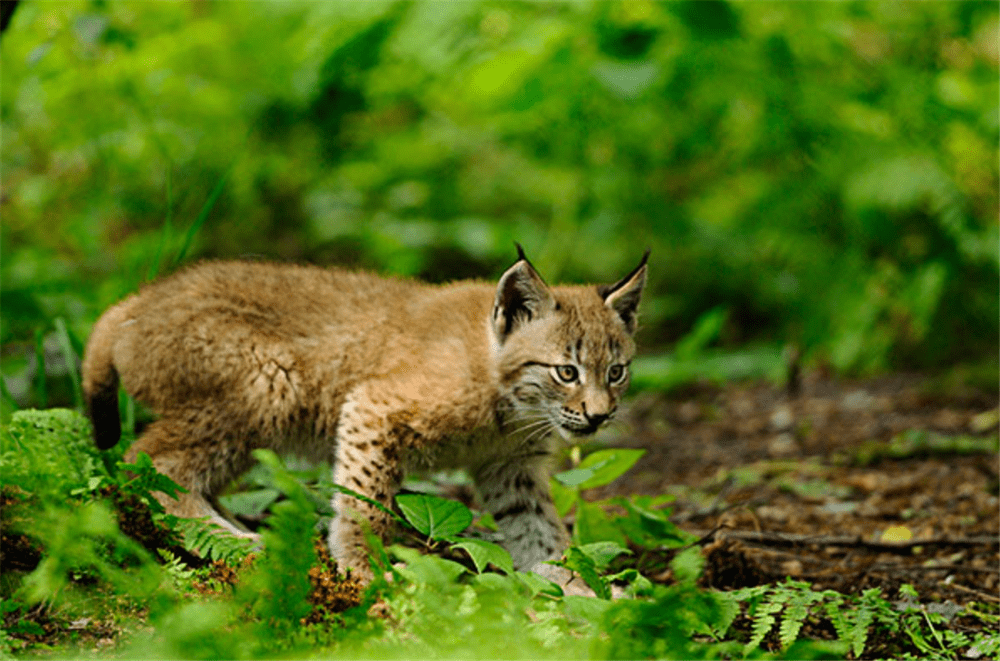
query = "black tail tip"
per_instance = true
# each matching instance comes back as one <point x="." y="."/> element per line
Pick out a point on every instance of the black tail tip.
<point x="103" y="410"/>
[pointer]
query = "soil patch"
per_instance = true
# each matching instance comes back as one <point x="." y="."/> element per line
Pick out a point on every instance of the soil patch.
<point x="846" y="484"/>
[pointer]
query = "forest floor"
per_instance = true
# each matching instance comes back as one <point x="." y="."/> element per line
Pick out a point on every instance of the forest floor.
<point x="848" y="485"/>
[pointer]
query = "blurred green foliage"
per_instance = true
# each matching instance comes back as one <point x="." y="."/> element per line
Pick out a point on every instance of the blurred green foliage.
<point x="821" y="174"/>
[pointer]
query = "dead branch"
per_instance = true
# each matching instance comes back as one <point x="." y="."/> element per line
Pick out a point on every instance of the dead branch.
<point x="792" y="539"/>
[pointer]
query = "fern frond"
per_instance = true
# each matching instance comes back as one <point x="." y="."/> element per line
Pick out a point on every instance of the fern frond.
<point x="801" y="597"/>
<point x="178" y="572"/>
<point x="834" y="607"/>
<point x="729" y="608"/>
<point x="210" y="540"/>
<point x="764" y="616"/>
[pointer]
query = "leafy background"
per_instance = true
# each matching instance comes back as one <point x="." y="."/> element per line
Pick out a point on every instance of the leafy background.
<point x="814" y="179"/>
<point x="815" y="175"/>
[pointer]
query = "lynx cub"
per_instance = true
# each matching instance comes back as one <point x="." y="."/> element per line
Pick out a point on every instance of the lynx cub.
<point x="374" y="374"/>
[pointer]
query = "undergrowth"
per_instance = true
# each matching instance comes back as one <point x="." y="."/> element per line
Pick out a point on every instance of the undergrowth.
<point x="111" y="571"/>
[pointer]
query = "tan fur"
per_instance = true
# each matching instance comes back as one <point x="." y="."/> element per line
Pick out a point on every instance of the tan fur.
<point x="373" y="374"/>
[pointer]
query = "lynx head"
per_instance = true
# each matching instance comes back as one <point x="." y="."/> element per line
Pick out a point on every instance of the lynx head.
<point x="563" y="352"/>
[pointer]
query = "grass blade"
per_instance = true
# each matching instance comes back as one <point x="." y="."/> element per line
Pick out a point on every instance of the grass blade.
<point x="70" y="358"/>
<point x="154" y="268"/>
<point x="202" y="216"/>
<point x="7" y="396"/>
<point x="41" y="386"/>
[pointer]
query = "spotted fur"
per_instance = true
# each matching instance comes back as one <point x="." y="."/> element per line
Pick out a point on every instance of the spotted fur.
<point x="377" y="375"/>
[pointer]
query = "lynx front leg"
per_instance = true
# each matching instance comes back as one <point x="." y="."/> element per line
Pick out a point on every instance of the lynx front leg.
<point x="367" y="461"/>
<point x="517" y="495"/>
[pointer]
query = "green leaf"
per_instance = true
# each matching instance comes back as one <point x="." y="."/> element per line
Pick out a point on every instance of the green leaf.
<point x="371" y="501"/>
<point x="250" y="503"/>
<point x="578" y="561"/>
<point x="484" y="553"/>
<point x="594" y="525"/>
<point x="687" y="565"/>
<point x="600" y="468"/>
<point x="563" y="497"/>
<point x="537" y="584"/>
<point x="427" y="569"/>
<point x="438" y="518"/>
<point x="575" y="476"/>
<point x="706" y="330"/>
<point x="638" y="585"/>
<point x="602" y="553"/>
<point x="146" y="480"/>
<point x="648" y="527"/>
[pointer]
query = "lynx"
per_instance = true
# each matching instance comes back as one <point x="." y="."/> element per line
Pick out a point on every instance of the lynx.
<point x="376" y="375"/>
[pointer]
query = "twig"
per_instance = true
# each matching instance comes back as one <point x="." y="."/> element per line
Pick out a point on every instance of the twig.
<point x="982" y="595"/>
<point x="954" y="568"/>
<point x="792" y="539"/>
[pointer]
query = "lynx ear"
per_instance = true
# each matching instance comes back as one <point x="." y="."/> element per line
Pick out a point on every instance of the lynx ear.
<point x="623" y="296"/>
<point x="522" y="295"/>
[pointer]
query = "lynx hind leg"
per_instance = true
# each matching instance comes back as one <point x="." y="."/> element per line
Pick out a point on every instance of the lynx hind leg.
<point x="517" y="495"/>
<point x="176" y="453"/>
<point x="367" y="461"/>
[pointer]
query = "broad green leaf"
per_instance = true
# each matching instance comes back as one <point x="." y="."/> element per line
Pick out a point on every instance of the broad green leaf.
<point x="491" y="581"/>
<point x="438" y="518"/>
<point x="648" y="527"/>
<point x="594" y="525"/>
<point x="578" y="561"/>
<point x="575" y="476"/>
<point x="250" y="503"/>
<point x="602" y="553"/>
<point x="564" y="497"/>
<point x="537" y="584"/>
<point x="427" y="569"/>
<point x="608" y="465"/>
<point x="484" y="553"/>
<point x="638" y="585"/>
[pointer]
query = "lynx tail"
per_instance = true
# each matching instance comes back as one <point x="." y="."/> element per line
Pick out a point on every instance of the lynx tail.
<point x="100" y="378"/>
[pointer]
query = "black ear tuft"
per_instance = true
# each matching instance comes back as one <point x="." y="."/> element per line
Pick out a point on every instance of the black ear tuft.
<point x="521" y="296"/>
<point x="520" y="251"/>
<point x="623" y="296"/>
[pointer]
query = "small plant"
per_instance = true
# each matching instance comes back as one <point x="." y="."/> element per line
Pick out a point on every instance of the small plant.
<point x="645" y="522"/>
<point x="441" y="520"/>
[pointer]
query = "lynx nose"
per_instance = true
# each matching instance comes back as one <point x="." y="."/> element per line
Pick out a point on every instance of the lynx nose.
<point x="595" y="420"/>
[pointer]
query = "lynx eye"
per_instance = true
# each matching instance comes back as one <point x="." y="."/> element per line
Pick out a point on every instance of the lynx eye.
<point x="616" y="373"/>
<point x="566" y="373"/>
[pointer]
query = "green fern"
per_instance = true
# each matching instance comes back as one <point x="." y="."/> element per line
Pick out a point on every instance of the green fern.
<point x="764" y="617"/>
<point x="797" y="609"/>
<point x="177" y="571"/>
<point x="278" y="588"/>
<point x="210" y="540"/>
<point x="793" y="602"/>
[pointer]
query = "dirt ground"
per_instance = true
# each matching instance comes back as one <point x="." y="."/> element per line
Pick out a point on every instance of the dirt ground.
<point x="845" y="484"/>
